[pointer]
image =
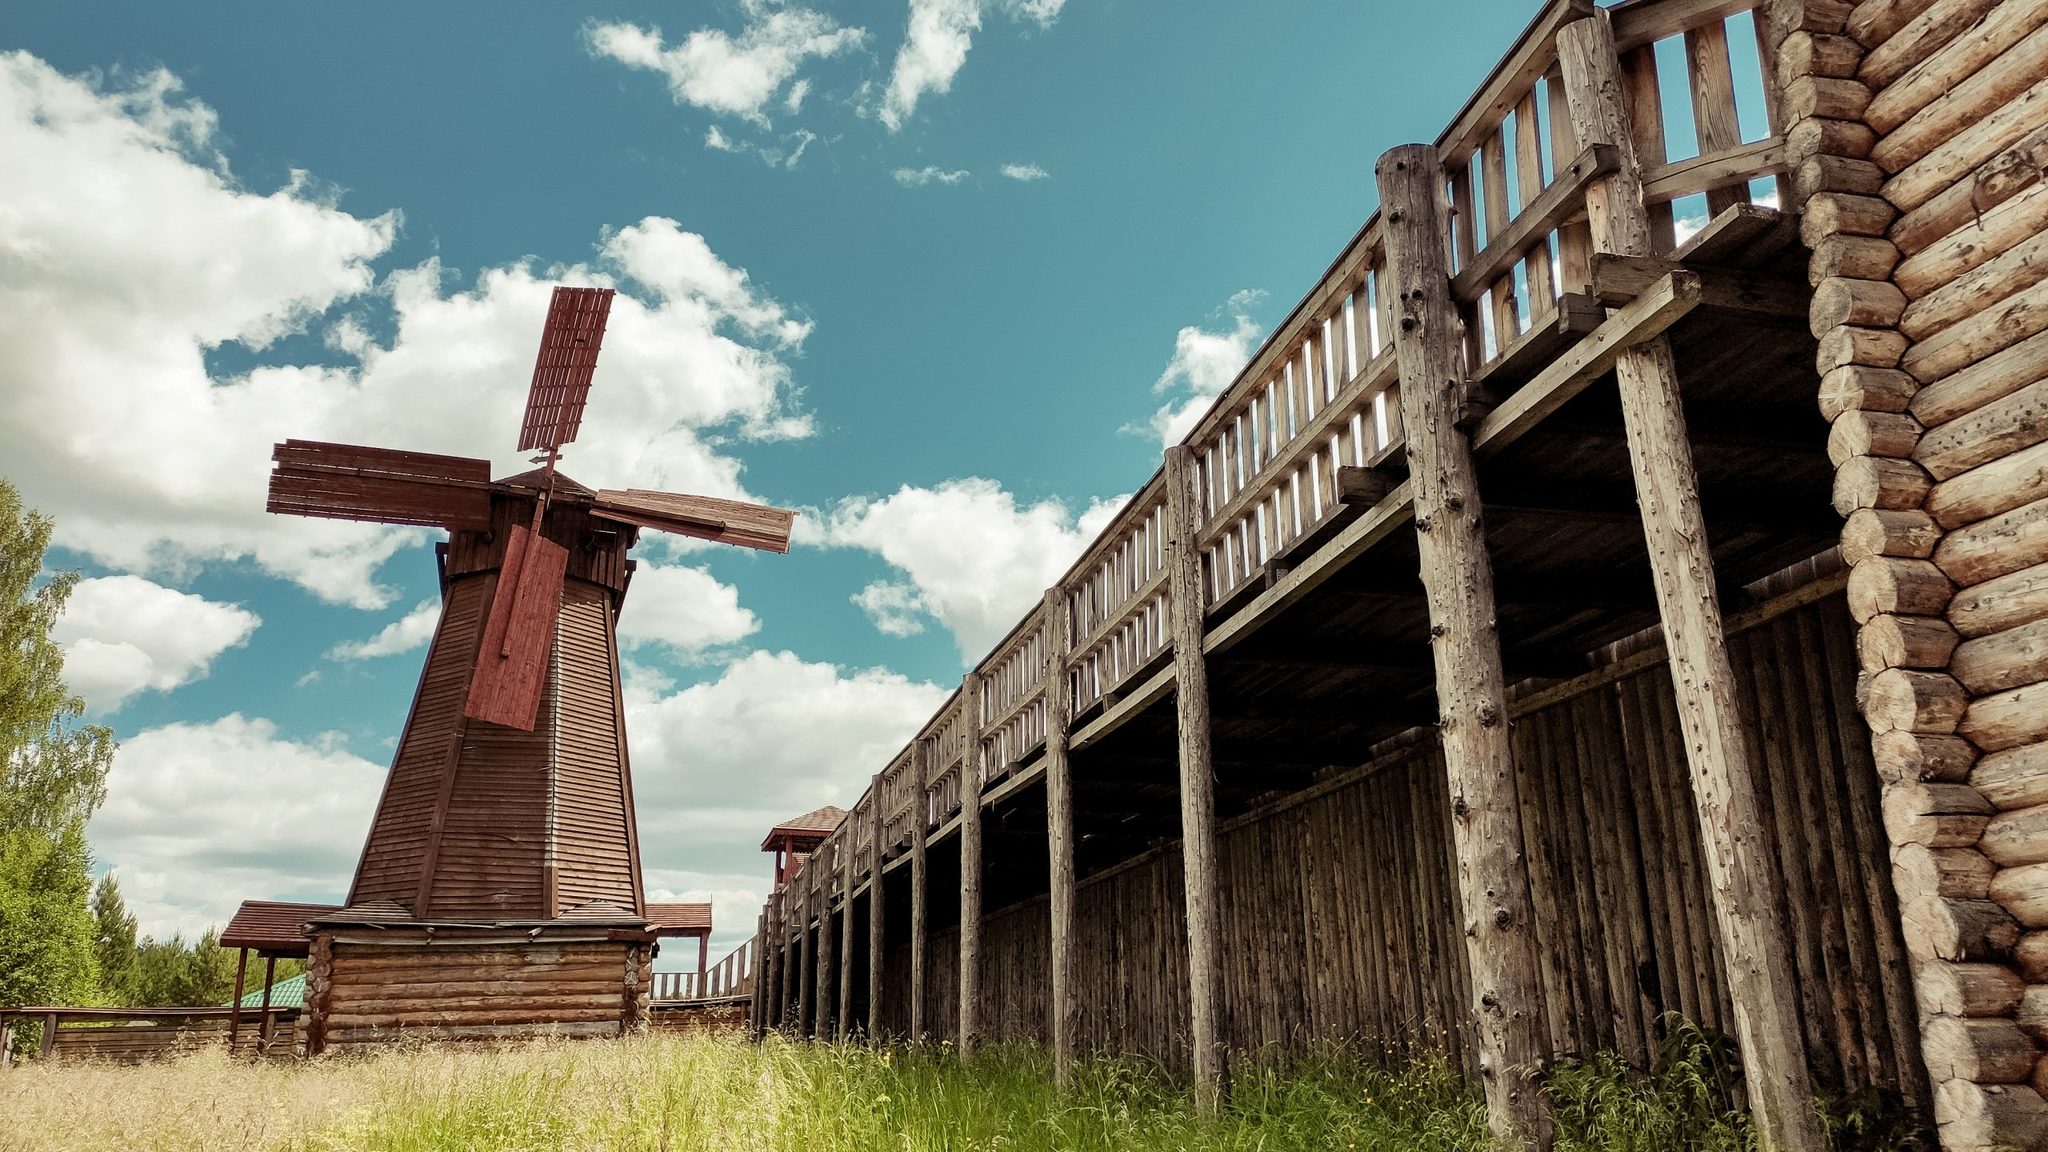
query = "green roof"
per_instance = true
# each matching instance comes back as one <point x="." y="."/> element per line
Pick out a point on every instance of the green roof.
<point x="283" y="994"/>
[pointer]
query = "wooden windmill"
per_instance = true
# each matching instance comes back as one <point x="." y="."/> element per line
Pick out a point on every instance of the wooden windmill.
<point x="510" y="797"/>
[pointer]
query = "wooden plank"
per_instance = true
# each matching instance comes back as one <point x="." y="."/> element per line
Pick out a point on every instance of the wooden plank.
<point x="1734" y="165"/>
<point x="512" y="662"/>
<point x="1730" y="235"/>
<point x="1552" y="207"/>
<point x="1728" y="799"/>
<point x="1645" y="317"/>
<point x="1197" y="799"/>
<point x="1457" y="573"/>
<point x="1510" y="79"/>
<point x="1713" y="105"/>
<point x="1063" y="1010"/>
<point x="1618" y="279"/>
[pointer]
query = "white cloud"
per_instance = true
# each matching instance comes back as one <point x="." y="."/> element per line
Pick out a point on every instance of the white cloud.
<point x="1025" y="172"/>
<point x="918" y="177"/>
<point x="934" y="48"/>
<point x="896" y="608"/>
<point x="685" y="610"/>
<point x="773" y="736"/>
<point x="732" y="76"/>
<point x="784" y="153"/>
<point x="124" y="634"/>
<point x="200" y="817"/>
<point x="974" y="559"/>
<point x="1039" y="12"/>
<point x="1205" y="361"/>
<point x="127" y="254"/>
<point x="404" y="634"/>
<point x="794" y="102"/>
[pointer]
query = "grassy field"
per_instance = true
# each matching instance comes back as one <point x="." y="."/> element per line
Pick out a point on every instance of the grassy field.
<point x="675" y="1091"/>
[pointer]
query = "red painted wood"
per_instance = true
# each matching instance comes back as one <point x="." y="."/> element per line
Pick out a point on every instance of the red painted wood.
<point x="569" y="345"/>
<point x="519" y="634"/>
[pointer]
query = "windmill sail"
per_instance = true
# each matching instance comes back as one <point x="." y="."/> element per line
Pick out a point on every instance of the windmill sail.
<point x="383" y="485"/>
<point x="705" y="517"/>
<point x="512" y="660"/>
<point x="569" y="344"/>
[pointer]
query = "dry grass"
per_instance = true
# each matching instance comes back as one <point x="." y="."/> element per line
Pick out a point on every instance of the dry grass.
<point x="685" y="1092"/>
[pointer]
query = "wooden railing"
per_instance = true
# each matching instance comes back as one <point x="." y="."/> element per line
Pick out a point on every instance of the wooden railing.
<point x="732" y="976"/>
<point x="131" y="1035"/>
<point x="1322" y="394"/>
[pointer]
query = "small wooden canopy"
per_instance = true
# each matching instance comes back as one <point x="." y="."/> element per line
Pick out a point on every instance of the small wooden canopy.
<point x="273" y="927"/>
<point x="804" y="832"/>
<point x="679" y="919"/>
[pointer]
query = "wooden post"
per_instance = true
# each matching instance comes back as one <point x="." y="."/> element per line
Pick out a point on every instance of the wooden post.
<point x="1457" y="576"/>
<point x="920" y="818"/>
<point x="1059" y="833"/>
<point x="785" y="1008"/>
<point x="876" y="822"/>
<point x="703" y="956"/>
<point x="821" y="964"/>
<point x="1725" y="789"/>
<point x="1187" y="604"/>
<point x="235" y="1011"/>
<point x="970" y="864"/>
<point x="758" y="1003"/>
<point x="849" y="851"/>
<point x="263" y="1024"/>
<point x="7" y="1040"/>
<point x="49" y="1047"/>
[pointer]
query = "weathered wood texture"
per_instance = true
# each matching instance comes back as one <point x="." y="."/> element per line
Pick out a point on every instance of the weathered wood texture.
<point x="1353" y="894"/>
<point x="374" y="993"/>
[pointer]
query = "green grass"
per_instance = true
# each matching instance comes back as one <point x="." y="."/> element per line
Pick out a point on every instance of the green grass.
<point x="686" y="1092"/>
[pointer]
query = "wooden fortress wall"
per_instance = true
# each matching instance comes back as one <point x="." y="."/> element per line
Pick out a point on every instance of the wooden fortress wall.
<point x="1341" y="906"/>
<point x="1897" y="727"/>
<point x="1924" y="129"/>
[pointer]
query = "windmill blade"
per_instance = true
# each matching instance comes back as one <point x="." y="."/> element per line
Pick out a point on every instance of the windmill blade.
<point x="569" y="344"/>
<point x="512" y="660"/>
<point x="705" y="517"/>
<point x="383" y="485"/>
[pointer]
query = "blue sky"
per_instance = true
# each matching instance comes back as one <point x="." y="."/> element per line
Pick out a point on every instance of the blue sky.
<point x="235" y="221"/>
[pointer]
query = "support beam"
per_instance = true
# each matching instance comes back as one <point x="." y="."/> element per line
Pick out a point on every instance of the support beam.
<point x="807" y="952"/>
<point x="757" y="1006"/>
<point x="235" y="1012"/>
<point x="263" y="1021"/>
<point x="920" y="877"/>
<point x="1063" y="1009"/>
<point x="1725" y="789"/>
<point x="970" y="864"/>
<point x="848" y="852"/>
<point x="875" y="907"/>
<point x="1197" y="801"/>
<point x="1457" y="573"/>
<point x="820" y="870"/>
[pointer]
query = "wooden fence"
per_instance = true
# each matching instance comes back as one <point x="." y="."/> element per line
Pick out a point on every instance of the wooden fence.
<point x="729" y="978"/>
<point x="133" y="1035"/>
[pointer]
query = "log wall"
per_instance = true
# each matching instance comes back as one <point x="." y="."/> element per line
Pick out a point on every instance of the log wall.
<point x="1920" y="162"/>
<point x="1341" y="909"/>
<point x="364" y="993"/>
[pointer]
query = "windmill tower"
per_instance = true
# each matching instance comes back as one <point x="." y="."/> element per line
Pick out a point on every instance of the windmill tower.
<point x="499" y="888"/>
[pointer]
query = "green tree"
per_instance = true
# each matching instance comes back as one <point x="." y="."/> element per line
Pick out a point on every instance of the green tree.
<point x="174" y="971"/>
<point x="113" y="940"/>
<point x="55" y="775"/>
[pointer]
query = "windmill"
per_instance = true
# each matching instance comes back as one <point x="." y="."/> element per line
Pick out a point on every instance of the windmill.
<point x="510" y="797"/>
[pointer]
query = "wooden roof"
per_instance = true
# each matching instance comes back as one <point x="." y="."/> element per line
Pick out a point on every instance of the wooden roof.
<point x="679" y="919"/>
<point x="274" y="926"/>
<point x="809" y="826"/>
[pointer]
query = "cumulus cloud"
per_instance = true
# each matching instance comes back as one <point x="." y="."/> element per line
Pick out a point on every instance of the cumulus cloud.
<point x="683" y="610"/>
<point x="1025" y="172"/>
<point x="971" y="556"/>
<point x="934" y="49"/>
<point x="404" y="634"/>
<point x="919" y="177"/>
<point x="123" y="634"/>
<point x="200" y="816"/>
<point x="732" y="75"/>
<point x="1205" y="361"/>
<point x="128" y="254"/>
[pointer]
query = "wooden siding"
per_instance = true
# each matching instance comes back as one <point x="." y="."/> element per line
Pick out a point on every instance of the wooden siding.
<point x="592" y="823"/>
<point x="395" y="851"/>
